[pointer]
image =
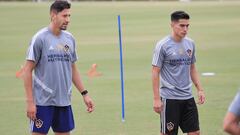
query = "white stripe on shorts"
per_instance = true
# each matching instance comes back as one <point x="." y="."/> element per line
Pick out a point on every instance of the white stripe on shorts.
<point x="31" y="125"/>
<point x="163" y="117"/>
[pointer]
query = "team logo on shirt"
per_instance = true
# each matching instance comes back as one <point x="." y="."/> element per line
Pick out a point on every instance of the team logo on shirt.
<point x="38" y="123"/>
<point x="66" y="48"/>
<point x="51" y="48"/>
<point x="170" y="126"/>
<point x="189" y="52"/>
<point x="174" y="53"/>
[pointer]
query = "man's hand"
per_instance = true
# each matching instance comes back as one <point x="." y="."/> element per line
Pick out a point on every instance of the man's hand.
<point x="31" y="110"/>
<point x="157" y="106"/>
<point x="201" y="97"/>
<point x="89" y="103"/>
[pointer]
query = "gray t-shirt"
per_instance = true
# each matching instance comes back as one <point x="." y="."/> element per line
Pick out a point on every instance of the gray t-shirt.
<point x="53" y="56"/>
<point x="235" y="105"/>
<point x="174" y="60"/>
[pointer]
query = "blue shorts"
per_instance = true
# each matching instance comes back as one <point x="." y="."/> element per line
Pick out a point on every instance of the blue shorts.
<point x="59" y="118"/>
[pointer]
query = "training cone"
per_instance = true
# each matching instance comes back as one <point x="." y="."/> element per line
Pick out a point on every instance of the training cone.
<point x="92" y="72"/>
<point x="19" y="73"/>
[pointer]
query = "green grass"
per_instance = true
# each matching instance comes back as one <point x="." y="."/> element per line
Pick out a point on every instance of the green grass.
<point x="214" y="27"/>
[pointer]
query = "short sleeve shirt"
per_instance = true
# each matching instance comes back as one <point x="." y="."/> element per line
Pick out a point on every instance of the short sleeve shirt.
<point x="174" y="60"/>
<point x="53" y="56"/>
<point x="235" y="105"/>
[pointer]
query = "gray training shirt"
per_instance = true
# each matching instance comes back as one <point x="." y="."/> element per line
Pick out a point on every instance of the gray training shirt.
<point x="174" y="60"/>
<point x="235" y="105"/>
<point x="53" y="56"/>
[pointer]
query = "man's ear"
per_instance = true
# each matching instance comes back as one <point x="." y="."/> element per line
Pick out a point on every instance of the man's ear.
<point x="53" y="15"/>
<point x="172" y="24"/>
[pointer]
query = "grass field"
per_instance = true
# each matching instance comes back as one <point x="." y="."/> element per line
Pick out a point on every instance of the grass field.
<point x="214" y="27"/>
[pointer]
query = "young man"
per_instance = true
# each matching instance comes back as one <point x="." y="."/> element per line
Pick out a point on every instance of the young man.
<point x="232" y="118"/>
<point x="51" y="55"/>
<point x="173" y="69"/>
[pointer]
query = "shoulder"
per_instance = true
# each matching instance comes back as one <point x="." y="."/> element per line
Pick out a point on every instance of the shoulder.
<point x="188" y="39"/>
<point x="68" y="34"/>
<point x="235" y="105"/>
<point x="236" y="101"/>
<point x="163" y="42"/>
<point x="41" y="33"/>
<point x="38" y="37"/>
<point x="237" y="97"/>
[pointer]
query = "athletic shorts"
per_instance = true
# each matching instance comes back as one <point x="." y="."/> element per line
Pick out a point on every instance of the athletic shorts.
<point x="60" y="119"/>
<point x="179" y="113"/>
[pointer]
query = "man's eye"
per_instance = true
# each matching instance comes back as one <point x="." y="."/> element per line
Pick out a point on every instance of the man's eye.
<point x="182" y="25"/>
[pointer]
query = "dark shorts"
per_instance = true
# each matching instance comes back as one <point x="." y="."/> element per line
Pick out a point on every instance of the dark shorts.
<point x="59" y="118"/>
<point x="179" y="113"/>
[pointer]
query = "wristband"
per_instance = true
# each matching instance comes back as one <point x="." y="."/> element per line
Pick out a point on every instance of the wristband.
<point x="84" y="92"/>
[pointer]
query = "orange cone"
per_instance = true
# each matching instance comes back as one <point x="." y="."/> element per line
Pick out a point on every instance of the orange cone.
<point x="19" y="73"/>
<point x="92" y="72"/>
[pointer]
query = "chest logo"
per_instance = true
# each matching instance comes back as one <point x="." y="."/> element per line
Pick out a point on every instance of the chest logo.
<point x="189" y="52"/>
<point x="66" y="48"/>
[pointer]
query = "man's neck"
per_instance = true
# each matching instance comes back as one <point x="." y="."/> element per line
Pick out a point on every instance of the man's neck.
<point x="55" y="30"/>
<point x="176" y="38"/>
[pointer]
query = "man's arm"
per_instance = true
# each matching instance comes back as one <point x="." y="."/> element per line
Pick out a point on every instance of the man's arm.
<point x="196" y="82"/>
<point x="231" y="124"/>
<point x="157" y="104"/>
<point x="76" y="78"/>
<point x="27" y="78"/>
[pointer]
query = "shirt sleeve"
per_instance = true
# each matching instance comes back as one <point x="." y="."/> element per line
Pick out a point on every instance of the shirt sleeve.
<point x="158" y="56"/>
<point x="193" y="54"/>
<point x="235" y="105"/>
<point x="34" y="50"/>
<point x="74" y="52"/>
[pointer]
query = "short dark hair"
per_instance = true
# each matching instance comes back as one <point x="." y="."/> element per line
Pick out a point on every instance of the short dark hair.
<point x="60" y="5"/>
<point x="175" y="16"/>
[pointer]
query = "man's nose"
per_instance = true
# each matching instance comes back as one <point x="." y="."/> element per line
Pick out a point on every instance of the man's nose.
<point x="185" y="28"/>
<point x="67" y="19"/>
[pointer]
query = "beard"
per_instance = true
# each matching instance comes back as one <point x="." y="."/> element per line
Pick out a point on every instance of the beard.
<point x="63" y="28"/>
